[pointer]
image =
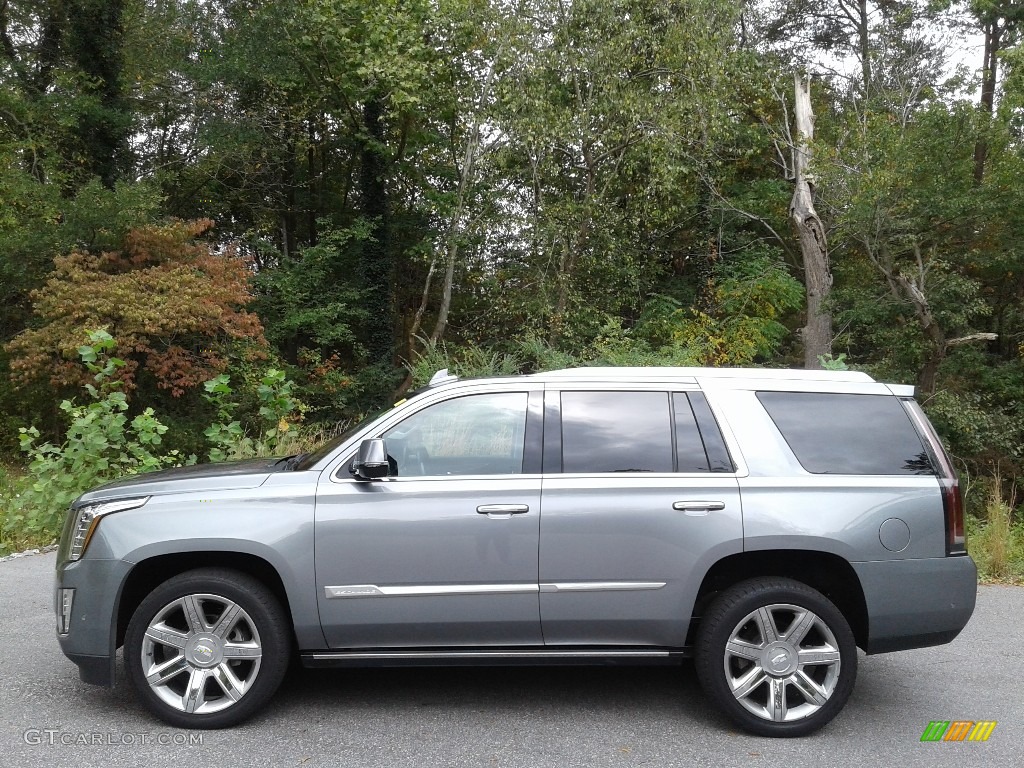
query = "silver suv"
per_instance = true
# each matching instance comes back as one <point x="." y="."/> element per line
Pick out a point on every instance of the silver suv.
<point x="764" y="522"/>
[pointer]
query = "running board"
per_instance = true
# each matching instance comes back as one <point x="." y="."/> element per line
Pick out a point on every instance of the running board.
<point x="493" y="657"/>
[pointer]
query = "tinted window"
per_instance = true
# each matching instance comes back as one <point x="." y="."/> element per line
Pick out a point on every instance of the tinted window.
<point x="690" y="451"/>
<point x="714" y="444"/>
<point x="475" y="435"/>
<point x="616" y="432"/>
<point x="848" y="434"/>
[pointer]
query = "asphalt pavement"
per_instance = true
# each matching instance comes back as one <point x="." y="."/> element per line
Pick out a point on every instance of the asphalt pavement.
<point x="564" y="717"/>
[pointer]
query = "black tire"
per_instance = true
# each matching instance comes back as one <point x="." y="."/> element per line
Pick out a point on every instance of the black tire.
<point x="220" y="641"/>
<point x="788" y="686"/>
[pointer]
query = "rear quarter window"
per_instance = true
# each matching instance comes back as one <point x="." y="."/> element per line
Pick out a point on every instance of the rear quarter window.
<point x="848" y="434"/>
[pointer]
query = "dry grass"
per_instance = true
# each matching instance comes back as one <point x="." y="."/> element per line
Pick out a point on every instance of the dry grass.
<point x="997" y="542"/>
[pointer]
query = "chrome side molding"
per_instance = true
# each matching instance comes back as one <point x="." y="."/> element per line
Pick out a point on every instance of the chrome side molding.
<point x="601" y="586"/>
<point x="372" y="590"/>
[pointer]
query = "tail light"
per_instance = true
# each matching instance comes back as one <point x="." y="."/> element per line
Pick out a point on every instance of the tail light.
<point x="953" y="506"/>
<point x="952" y="500"/>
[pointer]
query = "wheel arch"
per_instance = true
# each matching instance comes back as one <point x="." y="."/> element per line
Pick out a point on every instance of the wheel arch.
<point x="153" y="571"/>
<point x="828" y="573"/>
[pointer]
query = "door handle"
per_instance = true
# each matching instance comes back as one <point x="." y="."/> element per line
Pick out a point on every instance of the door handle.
<point x="698" y="507"/>
<point x="503" y="509"/>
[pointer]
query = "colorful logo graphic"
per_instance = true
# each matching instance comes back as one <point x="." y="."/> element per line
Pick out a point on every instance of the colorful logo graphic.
<point x="958" y="730"/>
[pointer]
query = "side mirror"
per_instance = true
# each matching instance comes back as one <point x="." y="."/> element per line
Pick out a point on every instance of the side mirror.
<point x="371" y="461"/>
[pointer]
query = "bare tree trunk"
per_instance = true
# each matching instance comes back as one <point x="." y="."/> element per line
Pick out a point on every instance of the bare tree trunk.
<point x="928" y="375"/>
<point x="817" y="334"/>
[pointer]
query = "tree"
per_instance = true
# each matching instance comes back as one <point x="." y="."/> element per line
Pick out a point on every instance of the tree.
<point x="1000" y="22"/>
<point x="915" y="216"/>
<point x="893" y="45"/>
<point x="177" y="336"/>
<point x="95" y="40"/>
<point x="817" y="333"/>
<point x="610" y="111"/>
<point x="31" y="53"/>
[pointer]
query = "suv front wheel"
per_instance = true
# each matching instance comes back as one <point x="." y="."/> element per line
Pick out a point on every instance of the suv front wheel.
<point x="776" y="656"/>
<point x="207" y="648"/>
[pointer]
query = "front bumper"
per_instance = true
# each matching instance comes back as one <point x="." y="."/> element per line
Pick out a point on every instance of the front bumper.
<point x="91" y="639"/>
<point x="917" y="603"/>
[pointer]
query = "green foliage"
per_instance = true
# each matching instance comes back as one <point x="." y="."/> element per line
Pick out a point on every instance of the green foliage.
<point x="276" y="403"/>
<point x="978" y="430"/>
<point x="38" y="223"/>
<point x="308" y="302"/>
<point x="12" y="537"/>
<point x="465" y="361"/>
<point x="833" y="362"/>
<point x="277" y="410"/>
<point x="226" y="433"/>
<point x="101" y="444"/>
<point x="538" y="355"/>
<point x="742" y="325"/>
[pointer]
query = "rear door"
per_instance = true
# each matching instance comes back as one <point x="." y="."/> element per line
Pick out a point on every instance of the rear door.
<point x="638" y="502"/>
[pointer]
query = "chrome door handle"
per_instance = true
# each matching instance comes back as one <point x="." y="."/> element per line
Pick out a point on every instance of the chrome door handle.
<point x="698" y="507"/>
<point x="503" y="509"/>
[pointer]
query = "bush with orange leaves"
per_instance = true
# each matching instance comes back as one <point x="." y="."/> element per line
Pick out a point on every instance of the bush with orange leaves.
<point x="171" y="302"/>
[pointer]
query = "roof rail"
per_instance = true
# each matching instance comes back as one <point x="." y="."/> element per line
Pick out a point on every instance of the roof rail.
<point x="663" y="372"/>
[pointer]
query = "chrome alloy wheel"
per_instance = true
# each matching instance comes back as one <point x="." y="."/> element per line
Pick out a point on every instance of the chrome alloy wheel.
<point x="782" y="662"/>
<point x="201" y="653"/>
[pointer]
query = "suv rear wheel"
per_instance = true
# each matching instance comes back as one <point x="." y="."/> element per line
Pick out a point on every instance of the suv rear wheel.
<point x="777" y="656"/>
<point x="207" y="648"/>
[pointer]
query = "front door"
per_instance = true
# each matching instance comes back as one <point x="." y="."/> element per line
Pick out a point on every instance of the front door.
<point x="445" y="552"/>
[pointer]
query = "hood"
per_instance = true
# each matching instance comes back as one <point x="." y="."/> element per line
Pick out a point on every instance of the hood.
<point x="220" y="476"/>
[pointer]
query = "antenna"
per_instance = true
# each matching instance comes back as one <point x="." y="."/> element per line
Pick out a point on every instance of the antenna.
<point x="442" y="377"/>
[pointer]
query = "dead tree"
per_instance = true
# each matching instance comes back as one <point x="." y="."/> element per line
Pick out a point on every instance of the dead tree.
<point x="817" y="333"/>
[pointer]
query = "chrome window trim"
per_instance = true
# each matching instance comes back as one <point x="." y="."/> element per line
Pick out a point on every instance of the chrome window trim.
<point x="431" y="478"/>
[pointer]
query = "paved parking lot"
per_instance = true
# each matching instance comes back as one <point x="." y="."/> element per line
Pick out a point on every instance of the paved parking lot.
<point x="564" y="717"/>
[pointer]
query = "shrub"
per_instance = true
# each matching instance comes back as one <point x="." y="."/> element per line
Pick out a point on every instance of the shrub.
<point x="100" y="444"/>
<point x="278" y="410"/>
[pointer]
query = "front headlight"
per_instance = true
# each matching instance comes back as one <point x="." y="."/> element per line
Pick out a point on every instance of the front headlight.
<point x="88" y="517"/>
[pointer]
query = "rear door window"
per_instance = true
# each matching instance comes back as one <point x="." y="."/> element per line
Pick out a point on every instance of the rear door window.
<point x="644" y="431"/>
<point x="616" y="432"/>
